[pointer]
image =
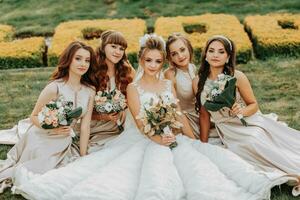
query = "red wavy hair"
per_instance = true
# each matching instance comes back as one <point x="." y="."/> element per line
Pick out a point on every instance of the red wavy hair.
<point x="123" y="67"/>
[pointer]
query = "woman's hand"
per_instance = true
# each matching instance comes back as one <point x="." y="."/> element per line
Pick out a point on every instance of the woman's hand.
<point x="113" y="117"/>
<point x="236" y="109"/>
<point x="168" y="139"/>
<point x="63" y="130"/>
<point x="105" y="117"/>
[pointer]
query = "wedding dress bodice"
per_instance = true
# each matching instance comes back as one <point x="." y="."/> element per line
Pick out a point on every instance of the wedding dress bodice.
<point x="146" y="96"/>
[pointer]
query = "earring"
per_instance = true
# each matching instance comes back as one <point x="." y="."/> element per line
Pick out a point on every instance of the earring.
<point x="206" y="59"/>
<point x="227" y="60"/>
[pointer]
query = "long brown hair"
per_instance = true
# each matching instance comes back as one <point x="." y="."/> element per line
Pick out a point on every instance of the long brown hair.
<point x="174" y="37"/>
<point x="65" y="59"/>
<point x="204" y="69"/>
<point x="123" y="67"/>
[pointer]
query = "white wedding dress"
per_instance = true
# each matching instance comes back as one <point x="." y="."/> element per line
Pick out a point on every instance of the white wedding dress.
<point x="132" y="167"/>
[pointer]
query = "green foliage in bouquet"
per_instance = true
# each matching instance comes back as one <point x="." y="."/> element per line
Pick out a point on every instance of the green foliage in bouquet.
<point x="224" y="97"/>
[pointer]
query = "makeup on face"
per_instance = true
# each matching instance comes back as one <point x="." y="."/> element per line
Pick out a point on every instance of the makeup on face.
<point x="179" y="53"/>
<point x="216" y="54"/>
<point x="152" y="62"/>
<point x="80" y="62"/>
<point x="114" y="52"/>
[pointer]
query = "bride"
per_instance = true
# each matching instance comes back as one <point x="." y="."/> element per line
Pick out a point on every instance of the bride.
<point x="133" y="166"/>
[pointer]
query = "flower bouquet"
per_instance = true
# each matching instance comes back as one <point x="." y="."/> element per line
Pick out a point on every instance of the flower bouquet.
<point x="107" y="102"/>
<point x="159" y="116"/>
<point x="222" y="94"/>
<point x="58" y="113"/>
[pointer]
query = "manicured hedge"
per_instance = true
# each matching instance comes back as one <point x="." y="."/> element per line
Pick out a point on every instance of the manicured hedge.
<point x="23" y="53"/>
<point x="274" y="34"/>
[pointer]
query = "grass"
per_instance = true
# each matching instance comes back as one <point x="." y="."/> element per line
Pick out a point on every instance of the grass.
<point x="275" y="83"/>
<point x="34" y="17"/>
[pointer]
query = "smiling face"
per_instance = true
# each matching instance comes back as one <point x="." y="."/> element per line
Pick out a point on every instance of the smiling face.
<point x="152" y="62"/>
<point x="179" y="53"/>
<point x="80" y="62"/>
<point x="114" y="53"/>
<point x="216" y="54"/>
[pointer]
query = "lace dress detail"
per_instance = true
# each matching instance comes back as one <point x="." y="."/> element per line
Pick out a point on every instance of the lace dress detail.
<point x="145" y="96"/>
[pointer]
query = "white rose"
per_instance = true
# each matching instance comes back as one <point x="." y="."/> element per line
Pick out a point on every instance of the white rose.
<point x="167" y="131"/>
<point x="108" y="107"/>
<point x="147" y="128"/>
<point x="221" y="76"/>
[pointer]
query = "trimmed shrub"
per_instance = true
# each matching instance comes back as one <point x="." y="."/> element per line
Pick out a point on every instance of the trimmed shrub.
<point x="23" y="53"/>
<point x="274" y="34"/>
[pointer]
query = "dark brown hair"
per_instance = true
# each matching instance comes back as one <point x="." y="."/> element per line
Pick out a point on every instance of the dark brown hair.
<point x="204" y="69"/>
<point x="65" y="59"/>
<point x="123" y="67"/>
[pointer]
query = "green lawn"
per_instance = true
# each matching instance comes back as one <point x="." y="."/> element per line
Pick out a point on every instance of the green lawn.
<point x="275" y="83"/>
<point x="35" y="17"/>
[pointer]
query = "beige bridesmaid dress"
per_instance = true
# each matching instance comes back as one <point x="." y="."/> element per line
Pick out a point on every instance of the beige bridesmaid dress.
<point x="265" y="143"/>
<point x="102" y="131"/>
<point x="37" y="150"/>
<point x="186" y="96"/>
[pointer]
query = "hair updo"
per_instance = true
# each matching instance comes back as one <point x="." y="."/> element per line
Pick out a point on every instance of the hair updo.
<point x="152" y="42"/>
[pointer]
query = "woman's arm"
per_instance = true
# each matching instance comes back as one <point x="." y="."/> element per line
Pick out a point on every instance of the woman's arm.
<point x="247" y="94"/>
<point x="204" y="120"/>
<point x="170" y="75"/>
<point x="204" y="116"/>
<point x="134" y="107"/>
<point x="85" y="127"/>
<point x="195" y="84"/>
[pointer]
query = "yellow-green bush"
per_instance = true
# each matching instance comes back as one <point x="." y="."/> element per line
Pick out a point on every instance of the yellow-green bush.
<point x="200" y="28"/>
<point x="274" y="34"/>
<point x="70" y="31"/>
<point x="5" y="32"/>
<point x="20" y="53"/>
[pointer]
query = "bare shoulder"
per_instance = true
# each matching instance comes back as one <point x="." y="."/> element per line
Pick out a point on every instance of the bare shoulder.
<point x="242" y="79"/>
<point x="131" y="88"/>
<point x="51" y="87"/>
<point x="169" y="73"/>
<point x="239" y="75"/>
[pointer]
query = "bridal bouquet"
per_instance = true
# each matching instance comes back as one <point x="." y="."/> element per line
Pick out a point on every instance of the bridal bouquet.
<point x="108" y="102"/>
<point x="222" y="94"/>
<point x="159" y="116"/>
<point x="58" y="113"/>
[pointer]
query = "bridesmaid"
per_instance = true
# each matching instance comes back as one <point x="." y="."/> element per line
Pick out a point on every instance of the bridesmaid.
<point x="40" y="150"/>
<point x="265" y="143"/>
<point x="181" y="72"/>
<point x="114" y="71"/>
